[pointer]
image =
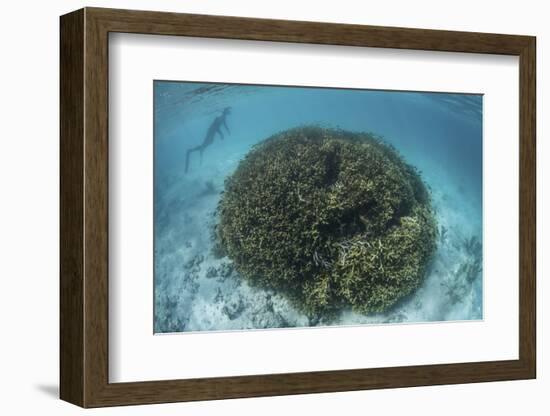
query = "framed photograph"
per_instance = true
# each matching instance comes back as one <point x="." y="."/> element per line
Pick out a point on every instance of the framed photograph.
<point x="257" y="207"/>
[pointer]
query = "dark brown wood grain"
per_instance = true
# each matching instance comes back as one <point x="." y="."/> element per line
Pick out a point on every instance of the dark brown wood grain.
<point x="84" y="207"/>
<point x="527" y="208"/>
<point x="72" y="215"/>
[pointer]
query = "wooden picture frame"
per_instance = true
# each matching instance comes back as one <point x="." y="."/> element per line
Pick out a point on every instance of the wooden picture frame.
<point x="84" y="207"/>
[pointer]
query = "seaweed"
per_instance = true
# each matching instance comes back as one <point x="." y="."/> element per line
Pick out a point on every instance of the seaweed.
<point x="329" y="218"/>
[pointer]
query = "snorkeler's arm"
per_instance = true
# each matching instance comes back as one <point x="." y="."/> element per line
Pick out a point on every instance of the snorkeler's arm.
<point x="225" y="125"/>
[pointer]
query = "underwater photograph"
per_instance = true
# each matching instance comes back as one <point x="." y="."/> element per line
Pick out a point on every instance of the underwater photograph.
<point x="289" y="207"/>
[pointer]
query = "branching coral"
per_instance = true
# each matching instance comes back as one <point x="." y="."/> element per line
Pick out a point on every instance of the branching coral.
<point x="330" y="218"/>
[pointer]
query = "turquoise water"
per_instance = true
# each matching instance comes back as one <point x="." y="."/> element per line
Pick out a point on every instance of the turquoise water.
<point x="439" y="133"/>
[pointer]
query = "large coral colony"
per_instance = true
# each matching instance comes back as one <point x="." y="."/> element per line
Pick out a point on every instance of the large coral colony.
<point x="330" y="219"/>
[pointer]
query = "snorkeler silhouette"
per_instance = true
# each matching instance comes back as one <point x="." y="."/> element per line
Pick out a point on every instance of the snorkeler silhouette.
<point x="215" y="127"/>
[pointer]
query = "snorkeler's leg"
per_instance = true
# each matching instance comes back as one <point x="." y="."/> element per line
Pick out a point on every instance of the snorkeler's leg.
<point x="226" y="127"/>
<point x="189" y="151"/>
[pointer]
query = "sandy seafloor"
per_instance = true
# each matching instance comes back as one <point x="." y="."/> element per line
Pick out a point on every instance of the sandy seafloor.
<point x="441" y="134"/>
